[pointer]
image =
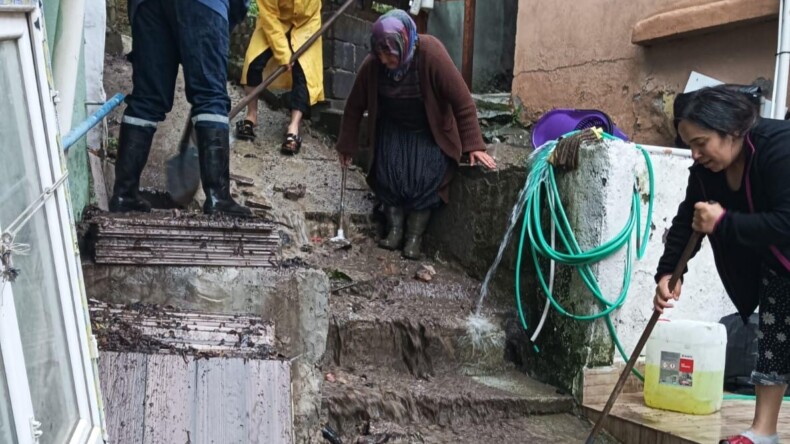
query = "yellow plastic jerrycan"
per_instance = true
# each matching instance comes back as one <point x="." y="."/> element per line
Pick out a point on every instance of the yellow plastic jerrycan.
<point x="684" y="369"/>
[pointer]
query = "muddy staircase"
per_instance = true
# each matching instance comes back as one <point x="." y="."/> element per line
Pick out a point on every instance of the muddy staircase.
<point x="401" y="368"/>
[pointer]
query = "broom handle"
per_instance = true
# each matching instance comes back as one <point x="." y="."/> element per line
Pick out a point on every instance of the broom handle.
<point x="342" y="195"/>
<point x="676" y="275"/>
<point x="273" y="76"/>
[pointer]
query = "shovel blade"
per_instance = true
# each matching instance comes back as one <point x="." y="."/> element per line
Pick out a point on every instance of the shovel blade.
<point x="183" y="174"/>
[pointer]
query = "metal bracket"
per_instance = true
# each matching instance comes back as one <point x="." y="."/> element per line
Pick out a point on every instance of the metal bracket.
<point x="35" y="429"/>
<point x="7" y="271"/>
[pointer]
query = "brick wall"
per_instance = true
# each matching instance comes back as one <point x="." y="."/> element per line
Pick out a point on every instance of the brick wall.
<point x="347" y="43"/>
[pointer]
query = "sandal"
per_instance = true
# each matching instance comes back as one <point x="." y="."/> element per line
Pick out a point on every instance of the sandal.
<point x="739" y="439"/>
<point x="749" y="437"/>
<point x="292" y="144"/>
<point x="245" y="130"/>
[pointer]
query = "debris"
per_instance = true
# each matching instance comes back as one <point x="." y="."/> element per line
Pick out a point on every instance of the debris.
<point x="425" y="273"/>
<point x="294" y="262"/>
<point x="329" y="377"/>
<point x="331" y="435"/>
<point x="263" y="205"/>
<point x="250" y="156"/>
<point x="295" y="192"/>
<point x="338" y="275"/>
<point x="378" y="438"/>
<point x="193" y="240"/>
<point x="242" y="181"/>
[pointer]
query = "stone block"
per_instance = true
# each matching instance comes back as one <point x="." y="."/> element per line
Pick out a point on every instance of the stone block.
<point x="338" y="84"/>
<point x="340" y="56"/>
<point x="350" y="29"/>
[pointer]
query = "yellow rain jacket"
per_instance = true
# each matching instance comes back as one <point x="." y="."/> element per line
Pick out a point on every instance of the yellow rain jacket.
<point x="275" y="19"/>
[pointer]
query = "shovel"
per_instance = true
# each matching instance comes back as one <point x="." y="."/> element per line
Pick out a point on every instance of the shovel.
<point x="183" y="170"/>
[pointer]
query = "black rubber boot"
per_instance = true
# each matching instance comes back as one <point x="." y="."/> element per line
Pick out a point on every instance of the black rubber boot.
<point x="214" y="154"/>
<point x="394" y="239"/>
<point x="415" y="227"/>
<point x="134" y="144"/>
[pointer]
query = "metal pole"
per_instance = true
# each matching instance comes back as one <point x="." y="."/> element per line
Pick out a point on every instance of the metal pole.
<point x="467" y="64"/>
<point x="80" y="130"/>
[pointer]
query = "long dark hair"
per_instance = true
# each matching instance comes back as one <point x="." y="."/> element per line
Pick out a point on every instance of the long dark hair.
<point x="722" y="108"/>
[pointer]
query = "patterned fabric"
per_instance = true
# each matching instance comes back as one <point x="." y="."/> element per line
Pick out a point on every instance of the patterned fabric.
<point x="395" y="33"/>
<point x="409" y="167"/>
<point x="773" y="358"/>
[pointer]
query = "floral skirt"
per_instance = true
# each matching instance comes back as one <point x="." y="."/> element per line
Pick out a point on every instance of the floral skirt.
<point x="773" y="337"/>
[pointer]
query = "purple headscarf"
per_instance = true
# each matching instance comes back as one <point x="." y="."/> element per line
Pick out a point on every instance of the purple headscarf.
<point x="395" y="33"/>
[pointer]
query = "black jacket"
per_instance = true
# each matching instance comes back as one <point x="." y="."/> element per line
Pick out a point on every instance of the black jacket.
<point x="755" y="231"/>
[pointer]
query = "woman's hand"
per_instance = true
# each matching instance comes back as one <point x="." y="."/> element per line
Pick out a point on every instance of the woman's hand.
<point x="345" y="160"/>
<point x="482" y="157"/>
<point x="663" y="295"/>
<point x="706" y="216"/>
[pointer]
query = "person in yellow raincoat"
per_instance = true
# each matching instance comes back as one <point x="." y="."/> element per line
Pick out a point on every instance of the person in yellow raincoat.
<point x="283" y="26"/>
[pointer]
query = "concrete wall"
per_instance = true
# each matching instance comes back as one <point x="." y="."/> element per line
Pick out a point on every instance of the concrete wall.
<point x="296" y="302"/>
<point x="495" y="39"/>
<point x="567" y="56"/>
<point x="703" y="297"/>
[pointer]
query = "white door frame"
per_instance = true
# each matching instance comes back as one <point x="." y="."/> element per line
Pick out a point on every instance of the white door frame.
<point x="24" y="24"/>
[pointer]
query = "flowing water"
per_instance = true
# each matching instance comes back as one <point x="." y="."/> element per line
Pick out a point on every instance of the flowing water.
<point x="517" y="210"/>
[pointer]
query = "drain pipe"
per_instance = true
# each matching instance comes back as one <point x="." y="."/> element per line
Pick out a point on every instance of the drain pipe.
<point x="782" y="62"/>
<point x="65" y="58"/>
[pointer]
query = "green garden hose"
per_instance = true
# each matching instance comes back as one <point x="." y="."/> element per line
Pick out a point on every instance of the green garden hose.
<point x="542" y="180"/>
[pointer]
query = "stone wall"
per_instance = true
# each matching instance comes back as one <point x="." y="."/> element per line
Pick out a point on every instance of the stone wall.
<point x="346" y="44"/>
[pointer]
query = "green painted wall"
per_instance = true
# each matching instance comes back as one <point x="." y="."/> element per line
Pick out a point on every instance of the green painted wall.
<point x="77" y="159"/>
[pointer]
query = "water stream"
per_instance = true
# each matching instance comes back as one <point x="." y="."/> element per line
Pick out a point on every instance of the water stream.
<point x="514" y="215"/>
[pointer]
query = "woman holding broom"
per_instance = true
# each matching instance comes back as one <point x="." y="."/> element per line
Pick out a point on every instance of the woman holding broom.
<point x="421" y="119"/>
<point x="739" y="195"/>
<point x="283" y="26"/>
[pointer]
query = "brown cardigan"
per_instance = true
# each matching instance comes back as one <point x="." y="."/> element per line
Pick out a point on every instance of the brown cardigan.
<point x="451" y="111"/>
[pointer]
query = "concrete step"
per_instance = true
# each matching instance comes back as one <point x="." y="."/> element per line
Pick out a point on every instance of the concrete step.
<point x="559" y="428"/>
<point x="388" y="318"/>
<point x="352" y="400"/>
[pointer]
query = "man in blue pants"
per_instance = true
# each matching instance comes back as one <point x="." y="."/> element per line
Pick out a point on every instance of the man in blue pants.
<point x="195" y="34"/>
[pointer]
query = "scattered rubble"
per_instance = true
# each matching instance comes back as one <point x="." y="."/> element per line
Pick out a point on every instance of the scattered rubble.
<point x="151" y="329"/>
<point x="425" y="273"/>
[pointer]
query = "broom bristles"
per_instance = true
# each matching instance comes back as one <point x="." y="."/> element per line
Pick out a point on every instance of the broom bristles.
<point x="565" y="155"/>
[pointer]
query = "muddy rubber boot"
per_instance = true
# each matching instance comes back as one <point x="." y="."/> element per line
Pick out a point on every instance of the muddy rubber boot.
<point x="395" y="220"/>
<point x="134" y="144"/>
<point x="415" y="227"/>
<point x="214" y="156"/>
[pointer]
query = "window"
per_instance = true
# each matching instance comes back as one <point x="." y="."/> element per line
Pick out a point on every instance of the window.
<point x="48" y="389"/>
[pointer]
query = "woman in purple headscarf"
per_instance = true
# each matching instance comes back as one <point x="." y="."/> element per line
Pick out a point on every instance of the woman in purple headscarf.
<point x="421" y="120"/>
